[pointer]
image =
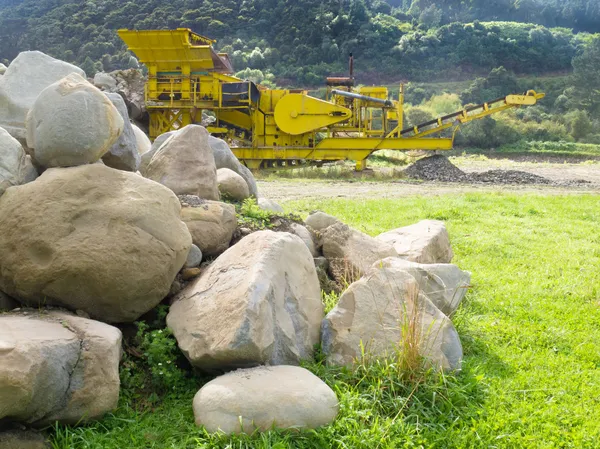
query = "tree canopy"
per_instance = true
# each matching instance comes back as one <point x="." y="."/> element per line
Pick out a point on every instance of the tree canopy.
<point x="302" y="41"/>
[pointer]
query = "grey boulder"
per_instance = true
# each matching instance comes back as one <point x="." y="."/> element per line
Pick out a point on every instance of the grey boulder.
<point x="16" y="167"/>
<point x="91" y="238"/>
<point x="211" y="224"/>
<point x="72" y="123"/>
<point x="384" y="315"/>
<point x="263" y="398"/>
<point x="351" y="253"/>
<point x="185" y="164"/>
<point x="232" y="185"/>
<point x="123" y="155"/>
<point x="57" y="367"/>
<point x="444" y="284"/>
<point x="424" y="242"/>
<point x="258" y="303"/>
<point x="28" y="75"/>
<point x="224" y="158"/>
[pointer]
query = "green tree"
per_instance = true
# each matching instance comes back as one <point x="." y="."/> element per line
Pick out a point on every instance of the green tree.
<point x="581" y="125"/>
<point x="586" y="77"/>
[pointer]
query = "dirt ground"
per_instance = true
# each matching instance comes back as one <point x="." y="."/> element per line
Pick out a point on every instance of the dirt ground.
<point x="557" y="170"/>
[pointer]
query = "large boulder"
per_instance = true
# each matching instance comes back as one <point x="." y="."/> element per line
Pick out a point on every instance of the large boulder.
<point x="15" y="165"/>
<point x="444" y="284"/>
<point x="211" y="224"/>
<point x="154" y="147"/>
<point x="123" y="155"/>
<point x="385" y="315"/>
<point x="351" y="253"/>
<point x="258" y="303"/>
<point x="72" y="123"/>
<point x="232" y="185"/>
<point x="224" y="158"/>
<point x="57" y="367"/>
<point x="142" y="141"/>
<point x="28" y="75"/>
<point x="424" y="242"/>
<point x="185" y="164"/>
<point x="263" y="398"/>
<point x="91" y="238"/>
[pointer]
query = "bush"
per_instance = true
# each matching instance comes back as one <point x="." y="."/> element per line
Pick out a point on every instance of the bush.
<point x="417" y="115"/>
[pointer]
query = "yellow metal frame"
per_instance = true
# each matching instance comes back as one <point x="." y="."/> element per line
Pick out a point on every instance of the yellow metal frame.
<point x="187" y="76"/>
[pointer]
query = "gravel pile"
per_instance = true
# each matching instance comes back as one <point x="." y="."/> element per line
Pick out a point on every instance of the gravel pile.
<point x="508" y="177"/>
<point x="436" y="168"/>
<point x="439" y="168"/>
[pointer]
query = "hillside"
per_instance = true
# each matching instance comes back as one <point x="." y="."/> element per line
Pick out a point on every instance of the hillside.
<point x="302" y="41"/>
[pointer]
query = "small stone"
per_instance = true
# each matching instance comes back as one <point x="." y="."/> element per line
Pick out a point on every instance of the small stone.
<point x="194" y="258"/>
<point x="190" y="273"/>
<point x="232" y="185"/>
<point x="245" y="231"/>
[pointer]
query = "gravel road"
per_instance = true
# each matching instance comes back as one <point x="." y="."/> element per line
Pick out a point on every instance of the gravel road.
<point x="565" y="179"/>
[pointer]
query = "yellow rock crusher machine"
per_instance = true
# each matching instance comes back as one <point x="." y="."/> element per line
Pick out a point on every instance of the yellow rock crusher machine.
<point x="282" y="127"/>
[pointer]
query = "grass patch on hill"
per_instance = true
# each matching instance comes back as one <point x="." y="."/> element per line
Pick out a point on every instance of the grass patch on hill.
<point x="529" y="327"/>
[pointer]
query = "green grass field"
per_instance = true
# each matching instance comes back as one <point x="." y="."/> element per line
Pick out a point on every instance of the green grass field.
<point x="529" y="327"/>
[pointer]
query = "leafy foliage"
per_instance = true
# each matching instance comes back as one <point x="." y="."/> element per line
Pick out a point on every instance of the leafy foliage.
<point x="303" y="41"/>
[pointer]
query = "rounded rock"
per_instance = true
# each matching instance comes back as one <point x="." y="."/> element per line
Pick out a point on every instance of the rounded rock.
<point x="232" y="185"/>
<point x="194" y="257"/>
<point x="91" y="238"/>
<point x="72" y="123"/>
<point x="283" y="397"/>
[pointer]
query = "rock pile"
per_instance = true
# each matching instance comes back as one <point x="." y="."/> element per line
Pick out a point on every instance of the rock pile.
<point x="89" y="246"/>
<point x="439" y="168"/>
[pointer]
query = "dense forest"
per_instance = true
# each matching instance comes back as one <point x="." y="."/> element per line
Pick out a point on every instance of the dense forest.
<point x="501" y="45"/>
<point x="300" y="42"/>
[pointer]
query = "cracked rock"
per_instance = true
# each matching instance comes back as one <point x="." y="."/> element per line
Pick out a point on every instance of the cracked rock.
<point x="258" y="303"/>
<point x="57" y="367"/>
